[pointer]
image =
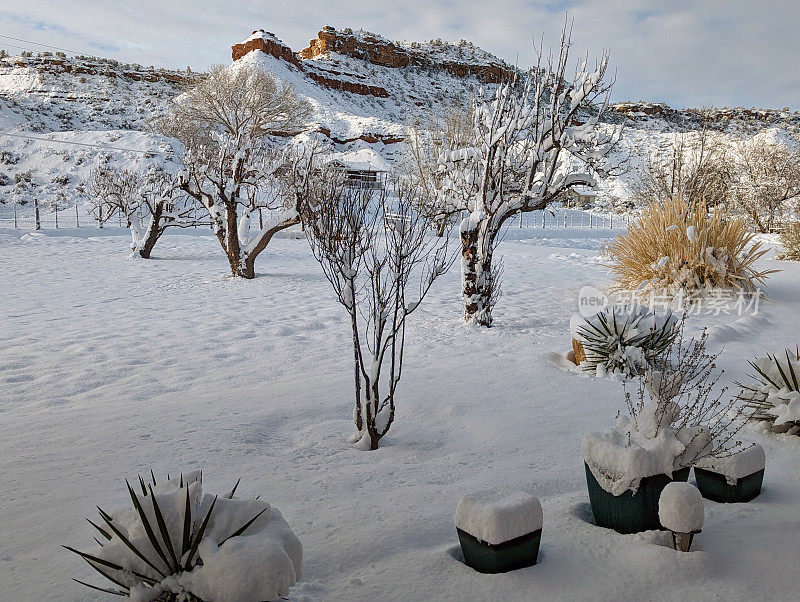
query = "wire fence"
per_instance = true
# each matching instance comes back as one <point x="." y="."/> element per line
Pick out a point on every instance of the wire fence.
<point x="76" y="217"/>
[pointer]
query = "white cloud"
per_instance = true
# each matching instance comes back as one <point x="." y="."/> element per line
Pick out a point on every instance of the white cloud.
<point x="711" y="52"/>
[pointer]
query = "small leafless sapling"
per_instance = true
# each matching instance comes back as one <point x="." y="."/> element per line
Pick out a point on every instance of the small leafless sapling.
<point x="378" y="254"/>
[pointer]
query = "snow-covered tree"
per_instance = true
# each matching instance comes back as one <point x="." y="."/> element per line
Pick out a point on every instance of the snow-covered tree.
<point x="696" y="167"/>
<point x="767" y="179"/>
<point x="425" y="139"/>
<point x="535" y="138"/>
<point x="376" y="251"/>
<point x="232" y="125"/>
<point x="146" y="200"/>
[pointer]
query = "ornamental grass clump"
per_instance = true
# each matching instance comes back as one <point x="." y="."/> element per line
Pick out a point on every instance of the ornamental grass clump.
<point x="790" y="239"/>
<point x="624" y="341"/>
<point x="675" y="248"/>
<point x="177" y="544"/>
<point x="773" y="393"/>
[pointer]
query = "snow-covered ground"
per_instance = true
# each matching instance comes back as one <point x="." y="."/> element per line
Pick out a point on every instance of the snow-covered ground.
<point x="111" y="367"/>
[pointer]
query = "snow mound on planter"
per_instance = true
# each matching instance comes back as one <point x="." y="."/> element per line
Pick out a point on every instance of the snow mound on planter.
<point x="499" y="514"/>
<point x="736" y="466"/>
<point x="642" y="447"/>
<point x="680" y="508"/>
<point x="260" y="564"/>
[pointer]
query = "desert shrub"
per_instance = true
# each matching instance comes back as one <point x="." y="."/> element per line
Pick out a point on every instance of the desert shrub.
<point x="773" y="392"/>
<point x="624" y="340"/>
<point x="177" y="543"/>
<point x="675" y="247"/>
<point x="790" y="239"/>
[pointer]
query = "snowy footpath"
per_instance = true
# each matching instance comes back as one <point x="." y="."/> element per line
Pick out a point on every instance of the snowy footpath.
<point x="111" y="367"/>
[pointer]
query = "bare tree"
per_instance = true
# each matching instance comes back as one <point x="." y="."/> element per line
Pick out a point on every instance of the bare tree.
<point x="147" y="201"/>
<point x="767" y="180"/>
<point x="535" y="138"/>
<point x="694" y="167"/>
<point x="375" y="250"/>
<point x="230" y="124"/>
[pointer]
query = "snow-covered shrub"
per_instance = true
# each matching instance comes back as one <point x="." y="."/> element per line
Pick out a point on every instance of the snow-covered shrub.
<point x="773" y="394"/>
<point x="178" y="543"/>
<point x="677" y="416"/>
<point x="675" y="248"/>
<point x="623" y="340"/>
<point x="790" y="239"/>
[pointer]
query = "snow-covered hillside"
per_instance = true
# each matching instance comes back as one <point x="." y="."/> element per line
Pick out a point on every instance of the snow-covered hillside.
<point x="365" y="91"/>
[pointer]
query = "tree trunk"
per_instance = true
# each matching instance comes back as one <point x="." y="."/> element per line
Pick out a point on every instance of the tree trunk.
<point x="153" y="233"/>
<point x="476" y="280"/>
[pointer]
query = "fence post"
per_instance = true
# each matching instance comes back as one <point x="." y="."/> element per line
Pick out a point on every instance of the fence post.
<point x="611" y="220"/>
<point x="565" y="220"/>
<point x="77" y="224"/>
<point x="37" y="224"/>
<point x="543" y="214"/>
<point x="15" y="215"/>
<point x="56" y="208"/>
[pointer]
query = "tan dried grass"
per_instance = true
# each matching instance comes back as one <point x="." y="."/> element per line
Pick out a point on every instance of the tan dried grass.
<point x="677" y="246"/>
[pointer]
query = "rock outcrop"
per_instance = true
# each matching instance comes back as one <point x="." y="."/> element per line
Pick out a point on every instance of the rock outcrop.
<point x="434" y="55"/>
<point x="265" y="42"/>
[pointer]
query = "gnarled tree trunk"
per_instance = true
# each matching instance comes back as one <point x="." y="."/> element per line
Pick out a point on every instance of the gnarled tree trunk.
<point x="477" y="281"/>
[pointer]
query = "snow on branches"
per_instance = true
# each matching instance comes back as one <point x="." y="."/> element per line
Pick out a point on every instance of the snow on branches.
<point x="231" y="125"/>
<point x="147" y="200"/>
<point x="534" y="138"/>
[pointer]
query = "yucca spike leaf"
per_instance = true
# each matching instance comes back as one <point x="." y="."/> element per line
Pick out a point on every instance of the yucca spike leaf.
<point x="103" y="589"/>
<point x="199" y="536"/>
<point x="148" y="529"/>
<point x="103" y="532"/>
<point x="136" y="550"/>
<point x="764" y="375"/>
<point x="238" y="532"/>
<point x="230" y="495"/>
<point x="93" y="561"/>
<point x="142" y="485"/>
<point x="104" y="515"/>
<point x="181" y="483"/>
<point x="152" y="476"/>
<point x="791" y="370"/>
<point x="780" y="370"/>
<point x="162" y="526"/>
<point x="99" y="543"/>
<point x="187" y="525"/>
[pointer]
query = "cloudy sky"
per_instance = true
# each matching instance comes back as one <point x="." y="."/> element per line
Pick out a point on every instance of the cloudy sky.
<point x="700" y="53"/>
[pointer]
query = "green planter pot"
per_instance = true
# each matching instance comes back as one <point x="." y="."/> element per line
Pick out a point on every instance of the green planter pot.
<point x="714" y="486"/>
<point x="510" y="555"/>
<point x="629" y="513"/>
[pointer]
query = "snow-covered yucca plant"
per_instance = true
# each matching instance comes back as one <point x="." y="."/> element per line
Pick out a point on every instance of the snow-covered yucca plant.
<point x="773" y="394"/>
<point x="177" y="544"/>
<point x="675" y="246"/>
<point x="790" y="239"/>
<point x="624" y="340"/>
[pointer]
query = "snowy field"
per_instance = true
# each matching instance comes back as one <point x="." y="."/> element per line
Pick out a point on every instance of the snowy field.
<point x="111" y="367"/>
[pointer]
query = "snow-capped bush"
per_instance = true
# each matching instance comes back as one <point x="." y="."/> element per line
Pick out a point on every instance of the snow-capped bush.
<point x="773" y="394"/>
<point x="680" y="508"/>
<point x="177" y="543"/>
<point x="790" y="239"/>
<point x="677" y="248"/>
<point x="623" y="340"/>
<point x="677" y="417"/>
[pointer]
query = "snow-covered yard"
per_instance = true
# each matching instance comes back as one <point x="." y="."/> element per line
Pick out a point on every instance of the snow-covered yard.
<point x="111" y="367"/>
